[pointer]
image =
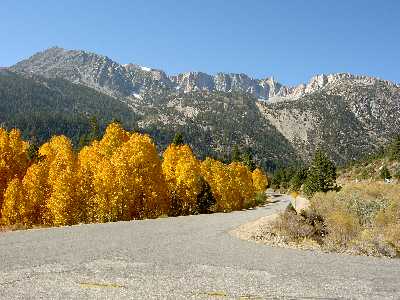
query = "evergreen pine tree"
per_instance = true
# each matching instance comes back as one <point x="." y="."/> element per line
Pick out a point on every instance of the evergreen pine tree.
<point x="394" y="149"/>
<point x="385" y="174"/>
<point x="247" y="159"/>
<point x="205" y="199"/>
<point x="235" y="156"/>
<point x="32" y="152"/>
<point x="178" y="139"/>
<point x="298" y="179"/>
<point x="94" y="133"/>
<point x="321" y="175"/>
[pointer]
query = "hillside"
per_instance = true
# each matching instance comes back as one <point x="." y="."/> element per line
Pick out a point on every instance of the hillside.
<point x="349" y="118"/>
<point x="41" y="107"/>
<point x="370" y="168"/>
<point x="348" y="115"/>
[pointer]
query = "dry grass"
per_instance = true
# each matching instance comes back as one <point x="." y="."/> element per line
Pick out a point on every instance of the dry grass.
<point x="259" y="199"/>
<point x="341" y="228"/>
<point x="14" y="227"/>
<point x="293" y="227"/>
<point x="360" y="219"/>
<point x="5" y="228"/>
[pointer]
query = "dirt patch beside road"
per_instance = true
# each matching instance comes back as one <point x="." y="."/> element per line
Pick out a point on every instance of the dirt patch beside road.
<point x="254" y="229"/>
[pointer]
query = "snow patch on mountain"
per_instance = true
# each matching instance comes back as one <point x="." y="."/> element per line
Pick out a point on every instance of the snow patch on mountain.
<point x="147" y="69"/>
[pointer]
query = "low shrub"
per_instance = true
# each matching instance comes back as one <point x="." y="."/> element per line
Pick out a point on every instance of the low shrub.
<point x="292" y="226"/>
<point x="389" y="215"/>
<point x="397" y="173"/>
<point x="342" y="227"/>
<point x="392" y="236"/>
<point x="260" y="198"/>
<point x="361" y="219"/>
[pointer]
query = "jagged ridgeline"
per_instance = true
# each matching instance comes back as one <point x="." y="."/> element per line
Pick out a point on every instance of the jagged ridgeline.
<point x="347" y="115"/>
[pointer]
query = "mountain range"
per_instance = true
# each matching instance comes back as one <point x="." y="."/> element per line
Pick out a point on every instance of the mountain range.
<point x="348" y="115"/>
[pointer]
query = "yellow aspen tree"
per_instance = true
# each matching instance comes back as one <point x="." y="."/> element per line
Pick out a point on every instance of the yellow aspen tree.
<point x="183" y="175"/>
<point x="218" y="177"/>
<point x="260" y="180"/>
<point x="140" y="183"/>
<point x="14" y="208"/>
<point x="36" y="193"/>
<point x="104" y="199"/>
<point x="127" y="182"/>
<point x="62" y="204"/>
<point x="19" y="157"/>
<point x="4" y="162"/>
<point x="242" y="183"/>
<point x="89" y="159"/>
<point x="96" y="176"/>
<point x="231" y="185"/>
<point x="13" y="158"/>
<point x="113" y="138"/>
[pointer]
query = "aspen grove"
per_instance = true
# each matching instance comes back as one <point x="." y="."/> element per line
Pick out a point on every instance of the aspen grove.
<point x="119" y="177"/>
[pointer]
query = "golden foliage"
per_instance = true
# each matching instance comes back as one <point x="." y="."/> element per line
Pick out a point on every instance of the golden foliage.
<point x="120" y="177"/>
<point x="25" y="202"/>
<point x="241" y="183"/>
<point x="260" y="180"/>
<point x="183" y="175"/>
<point x="231" y="184"/>
<point x="113" y="138"/>
<point x="14" y="208"/>
<point x="122" y="180"/>
<point x="13" y="158"/>
<point x="36" y="192"/>
<point x="218" y="177"/>
<point x="62" y="208"/>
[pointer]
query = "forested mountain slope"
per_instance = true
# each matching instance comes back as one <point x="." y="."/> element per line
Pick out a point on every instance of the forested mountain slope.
<point x="348" y="115"/>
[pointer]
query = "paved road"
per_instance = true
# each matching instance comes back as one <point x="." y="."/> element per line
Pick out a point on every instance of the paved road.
<point x="189" y="257"/>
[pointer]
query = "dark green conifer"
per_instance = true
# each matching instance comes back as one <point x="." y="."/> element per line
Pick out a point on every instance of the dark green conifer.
<point x="235" y="156"/>
<point x="394" y="149"/>
<point x="321" y="175"/>
<point x="178" y="139"/>
<point x="385" y="174"/>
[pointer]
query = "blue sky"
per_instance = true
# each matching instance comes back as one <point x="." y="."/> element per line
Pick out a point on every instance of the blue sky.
<point x="289" y="39"/>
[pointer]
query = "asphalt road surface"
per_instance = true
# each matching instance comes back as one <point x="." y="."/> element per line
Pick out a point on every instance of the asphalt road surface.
<point x="191" y="257"/>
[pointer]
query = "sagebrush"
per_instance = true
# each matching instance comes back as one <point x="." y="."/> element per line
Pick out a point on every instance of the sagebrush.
<point x="361" y="218"/>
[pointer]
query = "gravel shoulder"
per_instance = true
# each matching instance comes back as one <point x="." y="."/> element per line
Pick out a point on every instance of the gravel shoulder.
<point x="249" y="231"/>
<point x="190" y="257"/>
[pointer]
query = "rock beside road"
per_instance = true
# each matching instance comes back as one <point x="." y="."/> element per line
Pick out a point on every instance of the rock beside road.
<point x="300" y="203"/>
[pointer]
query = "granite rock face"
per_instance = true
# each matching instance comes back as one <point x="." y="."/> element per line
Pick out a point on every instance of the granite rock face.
<point x="106" y="75"/>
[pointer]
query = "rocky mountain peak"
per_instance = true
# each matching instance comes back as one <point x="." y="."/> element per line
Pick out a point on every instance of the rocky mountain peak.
<point x="193" y="81"/>
<point x="108" y="76"/>
<point x="322" y="80"/>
